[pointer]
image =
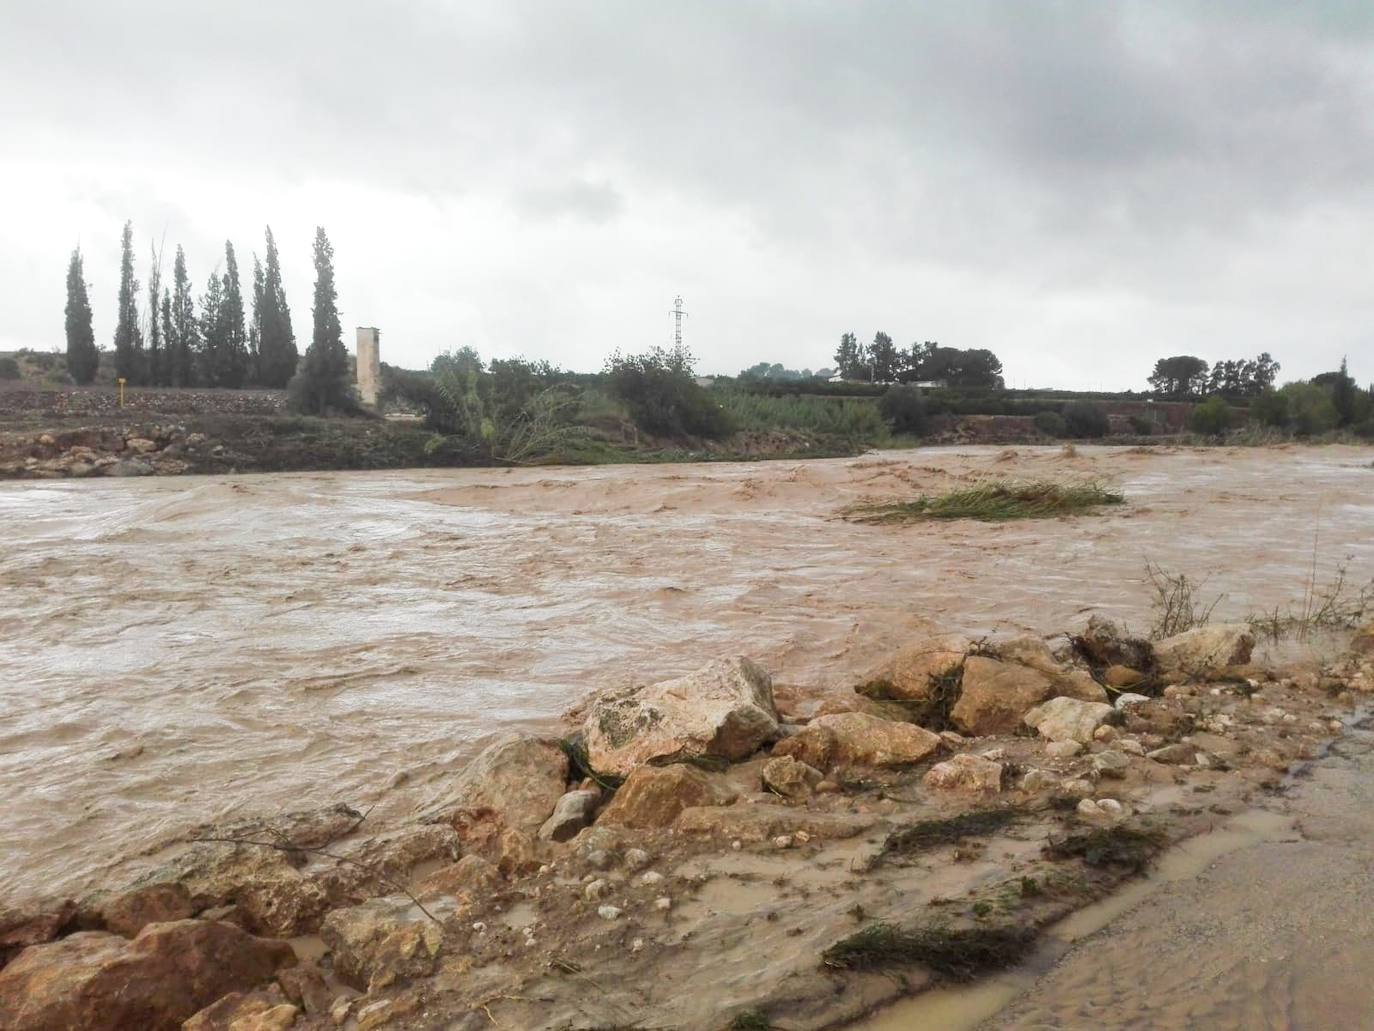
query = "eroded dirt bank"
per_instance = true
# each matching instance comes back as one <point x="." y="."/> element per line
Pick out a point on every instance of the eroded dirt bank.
<point x="179" y="650"/>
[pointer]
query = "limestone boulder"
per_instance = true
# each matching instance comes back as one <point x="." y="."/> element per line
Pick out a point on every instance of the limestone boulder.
<point x="789" y="777"/>
<point x="1068" y="719"/>
<point x="266" y="1009"/>
<point x="518" y="778"/>
<point x="271" y="894"/>
<point x="1178" y="754"/>
<point x="1027" y="651"/>
<point x="385" y="940"/>
<point x="470" y="879"/>
<point x="398" y="851"/>
<point x="995" y="695"/>
<point x="1206" y="650"/>
<point x="128" y="912"/>
<point x="1363" y="642"/>
<point x="965" y="772"/>
<point x="573" y="812"/>
<point x="1078" y="684"/>
<point x="908" y="673"/>
<point x="857" y="739"/>
<point x="272" y="897"/>
<point x="653" y="796"/>
<point x="763" y="822"/>
<point x="724" y="710"/>
<point x="33" y="924"/>
<point x="95" y="980"/>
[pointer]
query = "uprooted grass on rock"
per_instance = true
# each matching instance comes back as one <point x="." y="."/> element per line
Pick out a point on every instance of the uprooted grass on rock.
<point x="993" y="502"/>
<point x="947" y="831"/>
<point x="581" y="766"/>
<point x="931" y="712"/>
<point x="960" y="954"/>
<point x="1131" y="848"/>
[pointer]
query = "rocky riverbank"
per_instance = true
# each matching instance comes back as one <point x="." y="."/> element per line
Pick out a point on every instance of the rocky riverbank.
<point x="264" y="443"/>
<point x="712" y="851"/>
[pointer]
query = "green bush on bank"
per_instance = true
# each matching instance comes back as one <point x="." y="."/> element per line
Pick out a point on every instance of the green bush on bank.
<point x="1086" y="420"/>
<point x="1211" y="418"/>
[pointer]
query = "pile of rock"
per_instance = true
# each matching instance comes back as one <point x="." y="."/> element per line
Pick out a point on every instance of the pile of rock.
<point x="139" y="451"/>
<point x="702" y="760"/>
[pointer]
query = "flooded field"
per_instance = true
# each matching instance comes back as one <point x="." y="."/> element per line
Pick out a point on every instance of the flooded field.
<point x="176" y="650"/>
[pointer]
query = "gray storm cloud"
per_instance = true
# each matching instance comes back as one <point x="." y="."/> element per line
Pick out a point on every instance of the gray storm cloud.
<point x="1081" y="187"/>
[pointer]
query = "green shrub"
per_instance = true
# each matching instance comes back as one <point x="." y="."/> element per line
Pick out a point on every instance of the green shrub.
<point x="1270" y="409"/>
<point x="1212" y="417"/>
<point x="1310" y="409"/>
<point x="1051" y="424"/>
<point x="1142" y="425"/>
<point x="9" y="368"/>
<point x="660" y="390"/>
<point x="1083" y="419"/>
<point x="905" y="410"/>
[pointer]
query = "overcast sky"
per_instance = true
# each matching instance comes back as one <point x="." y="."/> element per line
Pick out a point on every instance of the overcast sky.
<point x="1081" y="187"/>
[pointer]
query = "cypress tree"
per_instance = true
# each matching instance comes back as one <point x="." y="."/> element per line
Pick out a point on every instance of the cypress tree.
<point x="235" y="365"/>
<point x="128" y="341"/>
<point x="323" y="383"/>
<point x="212" y="332"/>
<point x="169" y="356"/>
<point x="255" y="325"/>
<point x="278" y="355"/>
<point x="182" y="342"/>
<point x="154" y="371"/>
<point x="83" y="359"/>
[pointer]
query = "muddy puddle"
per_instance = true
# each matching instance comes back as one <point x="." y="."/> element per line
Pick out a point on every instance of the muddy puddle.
<point x="1262" y="922"/>
<point x="177" y="650"/>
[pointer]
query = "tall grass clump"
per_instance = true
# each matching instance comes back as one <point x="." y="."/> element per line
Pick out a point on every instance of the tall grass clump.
<point x="994" y="502"/>
<point x="853" y="418"/>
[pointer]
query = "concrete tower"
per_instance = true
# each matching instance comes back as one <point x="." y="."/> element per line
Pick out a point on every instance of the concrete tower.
<point x="369" y="364"/>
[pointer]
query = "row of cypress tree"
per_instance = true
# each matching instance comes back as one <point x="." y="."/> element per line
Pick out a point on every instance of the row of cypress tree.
<point x="178" y="346"/>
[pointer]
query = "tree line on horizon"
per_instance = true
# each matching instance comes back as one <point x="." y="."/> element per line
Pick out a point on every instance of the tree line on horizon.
<point x="216" y="344"/>
<point x="882" y="361"/>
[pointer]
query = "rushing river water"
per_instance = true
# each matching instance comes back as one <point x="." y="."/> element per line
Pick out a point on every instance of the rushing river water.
<point x="176" y="650"/>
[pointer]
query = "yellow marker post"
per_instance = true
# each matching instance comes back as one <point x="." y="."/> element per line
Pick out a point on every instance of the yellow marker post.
<point x="121" y="381"/>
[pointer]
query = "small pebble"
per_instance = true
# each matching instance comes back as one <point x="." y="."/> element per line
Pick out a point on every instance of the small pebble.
<point x="609" y="912"/>
<point x="598" y="889"/>
<point x="663" y="903"/>
<point x="651" y="877"/>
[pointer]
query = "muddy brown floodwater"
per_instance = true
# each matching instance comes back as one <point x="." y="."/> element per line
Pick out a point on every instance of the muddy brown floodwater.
<point x="177" y="650"/>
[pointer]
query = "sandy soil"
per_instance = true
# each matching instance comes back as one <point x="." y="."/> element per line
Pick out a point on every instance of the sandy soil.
<point x="179" y="650"/>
